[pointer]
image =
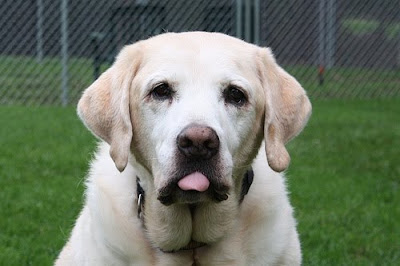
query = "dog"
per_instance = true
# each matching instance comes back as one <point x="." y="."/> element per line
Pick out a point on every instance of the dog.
<point x="180" y="176"/>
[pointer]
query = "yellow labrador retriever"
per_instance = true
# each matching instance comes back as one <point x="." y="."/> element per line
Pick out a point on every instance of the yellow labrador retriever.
<point x="180" y="178"/>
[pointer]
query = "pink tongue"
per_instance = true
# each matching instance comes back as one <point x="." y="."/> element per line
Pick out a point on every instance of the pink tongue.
<point x="195" y="181"/>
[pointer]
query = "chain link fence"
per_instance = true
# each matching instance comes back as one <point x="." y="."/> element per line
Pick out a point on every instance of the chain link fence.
<point x="50" y="50"/>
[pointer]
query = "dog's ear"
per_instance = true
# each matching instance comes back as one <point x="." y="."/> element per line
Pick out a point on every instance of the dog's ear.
<point x="104" y="109"/>
<point x="287" y="109"/>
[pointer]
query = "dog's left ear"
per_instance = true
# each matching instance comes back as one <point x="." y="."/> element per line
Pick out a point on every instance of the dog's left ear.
<point x="104" y="108"/>
<point x="287" y="109"/>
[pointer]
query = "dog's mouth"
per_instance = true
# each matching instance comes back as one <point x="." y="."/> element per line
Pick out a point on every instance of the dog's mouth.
<point x="197" y="175"/>
<point x="196" y="182"/>
<point x="193" y="188"/>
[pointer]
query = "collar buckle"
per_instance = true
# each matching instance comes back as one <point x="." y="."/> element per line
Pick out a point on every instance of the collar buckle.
<point x="140" y="199"/>
<point x="140" y="205"/>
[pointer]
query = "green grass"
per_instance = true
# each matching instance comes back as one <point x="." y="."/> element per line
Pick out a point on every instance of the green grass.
<point x="348" y="82"/>
<point x="344" y="179"/>
<point x="393" y="31"/>
<point x="44" y="154"/>
<point x="23" y="80"/>
<point x="344" y="182"/>
<point x="361" y="26"/>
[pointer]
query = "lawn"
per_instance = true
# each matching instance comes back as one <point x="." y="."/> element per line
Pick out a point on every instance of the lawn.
<point x="344" y="182"/>
<point x="348" y="82"/>
<point x="25" y="81"/>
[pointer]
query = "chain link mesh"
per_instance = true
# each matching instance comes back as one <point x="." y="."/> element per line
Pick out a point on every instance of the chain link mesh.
<point x="50" y="50"/>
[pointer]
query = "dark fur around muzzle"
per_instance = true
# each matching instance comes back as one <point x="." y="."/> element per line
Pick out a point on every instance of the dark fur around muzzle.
<point x="217" y="191"/>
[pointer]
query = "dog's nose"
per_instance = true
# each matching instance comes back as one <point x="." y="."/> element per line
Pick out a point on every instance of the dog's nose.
<point x="198" y="142"/>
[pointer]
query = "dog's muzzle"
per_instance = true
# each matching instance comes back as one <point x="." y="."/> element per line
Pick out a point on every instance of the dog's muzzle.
<point x="197" y="177"/>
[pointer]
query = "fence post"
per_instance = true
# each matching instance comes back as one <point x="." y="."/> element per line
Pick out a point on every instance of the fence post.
<point x="398" y="50"/>
<point x="239" y="18"/>
<point x="247" y="20"/>
<point x="39" y="31"/>
<point x="326" y="34"/>
<point x="257" y="21"/>
<point x="330" y="31"/>
<point x="64" y="51"/>
<point x="321" y="33"/>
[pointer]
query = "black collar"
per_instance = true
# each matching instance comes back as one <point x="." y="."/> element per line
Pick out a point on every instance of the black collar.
<point x="246" y="184"/>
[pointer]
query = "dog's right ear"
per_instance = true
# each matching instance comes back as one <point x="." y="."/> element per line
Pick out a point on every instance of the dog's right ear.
<point x="287" y="110"/>
<point x="104" y="109"/>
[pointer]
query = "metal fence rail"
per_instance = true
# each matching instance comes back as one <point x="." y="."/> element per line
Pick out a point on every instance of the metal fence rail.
<point x="50" y="50"/>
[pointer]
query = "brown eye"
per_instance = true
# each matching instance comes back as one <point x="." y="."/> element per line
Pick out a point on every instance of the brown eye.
<point x="234" y="96"/>
<point x="162" y="92"/>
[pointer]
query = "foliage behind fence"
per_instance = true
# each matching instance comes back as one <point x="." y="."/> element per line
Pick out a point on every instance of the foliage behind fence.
<point x="50" y="50"/>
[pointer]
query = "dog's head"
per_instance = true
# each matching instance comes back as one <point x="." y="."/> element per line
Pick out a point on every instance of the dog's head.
<point x="193" y="109"/>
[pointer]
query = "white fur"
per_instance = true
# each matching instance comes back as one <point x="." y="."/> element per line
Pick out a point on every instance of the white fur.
<point x="141" y="134"/>
<point x="109" y="233"/>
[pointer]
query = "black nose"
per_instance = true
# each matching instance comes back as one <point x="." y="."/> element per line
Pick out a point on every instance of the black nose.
<point x="198" y="142"/>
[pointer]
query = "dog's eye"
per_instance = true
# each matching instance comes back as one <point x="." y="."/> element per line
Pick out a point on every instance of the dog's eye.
<point x="234" y="95"/>
<point x="162" y="92"/>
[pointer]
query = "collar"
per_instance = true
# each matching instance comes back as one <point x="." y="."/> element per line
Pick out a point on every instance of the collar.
<point x="246" y="184"/>
<point x="140" y="199"/>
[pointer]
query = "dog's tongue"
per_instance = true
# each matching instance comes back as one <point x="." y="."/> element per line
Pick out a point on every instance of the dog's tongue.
<point x="195" y="181"/>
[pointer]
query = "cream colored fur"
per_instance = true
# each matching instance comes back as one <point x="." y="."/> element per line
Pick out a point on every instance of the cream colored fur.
<point x="139" y="137"/>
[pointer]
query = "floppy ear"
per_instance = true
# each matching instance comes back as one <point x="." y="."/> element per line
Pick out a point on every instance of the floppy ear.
<point x="287" y="110"/>
<point x="104" y="109"/>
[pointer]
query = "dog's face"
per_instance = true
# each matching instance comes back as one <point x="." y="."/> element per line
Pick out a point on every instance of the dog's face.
<point x="193" y="109"/>
<point x="198" y="107"/>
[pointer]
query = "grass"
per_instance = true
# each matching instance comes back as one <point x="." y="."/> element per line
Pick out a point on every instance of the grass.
<point x="43" y="161"/>
<point x="23" y="80"/>
<point x="361" y="26"/>
<point x="348" y="82"/>
<point x="344" y="182"/>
